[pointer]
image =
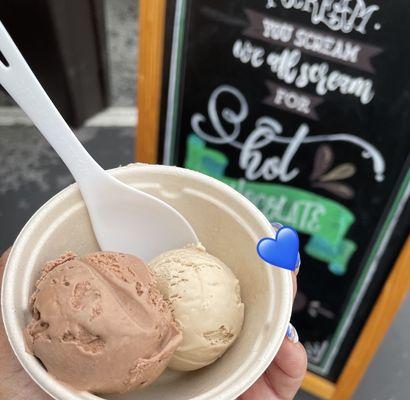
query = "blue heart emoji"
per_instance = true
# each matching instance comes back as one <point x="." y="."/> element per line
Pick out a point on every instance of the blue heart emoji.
<point x="281" y="251"/>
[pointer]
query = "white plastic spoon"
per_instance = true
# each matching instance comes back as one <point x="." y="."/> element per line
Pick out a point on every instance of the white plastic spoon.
<point x="124" y="219"/>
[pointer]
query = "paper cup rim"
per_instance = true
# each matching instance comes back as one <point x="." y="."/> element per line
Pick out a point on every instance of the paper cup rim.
<point x="61" y="391"/>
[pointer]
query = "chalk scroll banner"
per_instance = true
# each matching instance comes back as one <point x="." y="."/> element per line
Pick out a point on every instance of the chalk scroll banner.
<point x="303" y="107"/>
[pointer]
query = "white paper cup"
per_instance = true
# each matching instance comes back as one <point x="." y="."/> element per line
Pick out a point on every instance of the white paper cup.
<point x="226" y="223"/>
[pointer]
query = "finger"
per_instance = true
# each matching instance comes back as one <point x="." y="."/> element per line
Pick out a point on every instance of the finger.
<point x="298" y="265"/>
<point x="14" y="382"/>
<point x="294" y="285"/>
<point x="294" y="278"/>
<point x="286" y="373"/>
<point x="299" y="262"/>
<point x="3" y="260"/>
<point x="259" y="390"/>
<point x="4" y="257"/>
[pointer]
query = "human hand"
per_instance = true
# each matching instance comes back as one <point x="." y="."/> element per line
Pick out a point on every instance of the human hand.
<point x="283" y="378"/>
<point x="14" y="381"/>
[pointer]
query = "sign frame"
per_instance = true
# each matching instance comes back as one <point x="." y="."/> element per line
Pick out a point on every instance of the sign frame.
<point x="395" y="288"/>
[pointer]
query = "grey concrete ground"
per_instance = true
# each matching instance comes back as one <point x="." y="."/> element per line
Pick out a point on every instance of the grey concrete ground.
<point x="388" y="377"/>
<point x="30" y="172"/>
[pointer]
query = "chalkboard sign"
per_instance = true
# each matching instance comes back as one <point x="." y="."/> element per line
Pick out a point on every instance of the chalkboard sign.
<point x="303" y="106"/>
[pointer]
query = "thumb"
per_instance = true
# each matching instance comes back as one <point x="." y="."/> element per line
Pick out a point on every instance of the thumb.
<point x="3" y="260"/>
<point x="288" y="369"/>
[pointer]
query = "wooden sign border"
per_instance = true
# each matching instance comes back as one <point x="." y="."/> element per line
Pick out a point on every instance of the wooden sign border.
<point x="397" y="285"/>
<point x="149" y="85"/>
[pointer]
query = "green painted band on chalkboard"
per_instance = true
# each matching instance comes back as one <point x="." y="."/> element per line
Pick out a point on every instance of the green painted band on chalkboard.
<point x="325" y="220"/>
<point x="305" y="211"/>
<point x="337" y="256"/>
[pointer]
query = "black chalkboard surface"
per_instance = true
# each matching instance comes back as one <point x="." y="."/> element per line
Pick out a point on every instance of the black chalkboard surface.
<point x="303" y="106"/>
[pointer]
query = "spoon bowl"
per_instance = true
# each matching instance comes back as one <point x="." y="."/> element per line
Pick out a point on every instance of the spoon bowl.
<point x="127" y="220"/>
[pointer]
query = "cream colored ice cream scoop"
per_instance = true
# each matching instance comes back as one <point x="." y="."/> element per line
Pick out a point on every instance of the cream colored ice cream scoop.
<point x="99" y="323"/>
<point x="124" y="219"/>
<point x="205" y="299"/>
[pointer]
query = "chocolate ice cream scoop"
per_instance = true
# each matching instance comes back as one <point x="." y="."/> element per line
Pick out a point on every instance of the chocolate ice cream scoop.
<point x="99" y="324"/>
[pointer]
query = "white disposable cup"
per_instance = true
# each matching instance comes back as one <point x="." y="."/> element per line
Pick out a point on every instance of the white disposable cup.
<point x="226" y="223"/>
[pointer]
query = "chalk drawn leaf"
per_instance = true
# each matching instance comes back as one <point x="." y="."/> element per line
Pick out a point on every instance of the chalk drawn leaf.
<point x="337" y="188"/>
<point x="342" y="171"/>
<point x="323" y="161"/>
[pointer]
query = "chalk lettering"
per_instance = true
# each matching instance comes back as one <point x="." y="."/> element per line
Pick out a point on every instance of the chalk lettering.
<point x="227" y="126"/>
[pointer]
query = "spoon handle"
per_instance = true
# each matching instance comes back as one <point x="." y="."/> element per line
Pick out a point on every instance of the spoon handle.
<point x="19" y="81"/>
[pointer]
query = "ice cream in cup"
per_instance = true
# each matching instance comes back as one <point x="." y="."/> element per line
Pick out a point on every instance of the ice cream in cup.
<point x="228" y="226"/>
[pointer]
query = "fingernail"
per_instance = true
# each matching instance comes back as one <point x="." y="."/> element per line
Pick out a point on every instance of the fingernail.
<point x="297" y="264"/>
<point x="276" y="226"/>
<point x="292" y="334"/>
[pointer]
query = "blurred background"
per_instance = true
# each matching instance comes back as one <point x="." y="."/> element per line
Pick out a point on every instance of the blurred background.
<point x="90" y="73"/>
<point x="92" y="84"/>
